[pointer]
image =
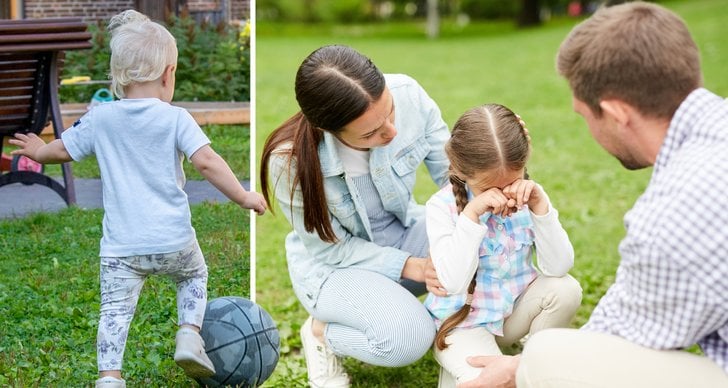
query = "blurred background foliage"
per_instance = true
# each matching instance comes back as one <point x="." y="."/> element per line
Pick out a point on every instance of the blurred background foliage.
<point x="213" y="62"/>
<point x="524" y="12"/>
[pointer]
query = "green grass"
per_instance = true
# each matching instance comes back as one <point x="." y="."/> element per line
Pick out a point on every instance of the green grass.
<point x="465" y="68"/>
<point x="49" y="288"/>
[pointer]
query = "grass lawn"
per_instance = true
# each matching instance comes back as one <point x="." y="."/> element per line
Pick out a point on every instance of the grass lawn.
<point x="49" y="288"/>
<point x="465" y="68"/>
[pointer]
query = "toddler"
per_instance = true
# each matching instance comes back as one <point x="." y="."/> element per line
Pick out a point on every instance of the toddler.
<point x="140" y="142"/>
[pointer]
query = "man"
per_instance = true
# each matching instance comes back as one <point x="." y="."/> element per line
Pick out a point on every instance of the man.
<point x="634" y="71"/>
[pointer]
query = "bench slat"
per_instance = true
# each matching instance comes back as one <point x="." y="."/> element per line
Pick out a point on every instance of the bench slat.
<point x="13" y="109"/>
<point x="34" y="26"/>
<point x="17" y="75"/>
<point x="44" y="37"/>
<point x="16" y="90"/>
<point x="48" y="46"/>
<point x="15" y="82"/>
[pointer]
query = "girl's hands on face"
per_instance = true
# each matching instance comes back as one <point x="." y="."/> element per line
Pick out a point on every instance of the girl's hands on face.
<point x="527" y="192"/>
<point x="492" y="200"/>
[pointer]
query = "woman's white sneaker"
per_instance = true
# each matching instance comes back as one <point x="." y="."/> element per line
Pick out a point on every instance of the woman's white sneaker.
<point x="324" y="367"/>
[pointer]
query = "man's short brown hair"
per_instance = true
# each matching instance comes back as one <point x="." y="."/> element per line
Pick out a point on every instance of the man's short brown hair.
<point x="637" y="52"/>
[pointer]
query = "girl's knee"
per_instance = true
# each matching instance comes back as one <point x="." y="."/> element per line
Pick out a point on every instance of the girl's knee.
<point x="566" y="289"/>
<point x="571" y="290"/>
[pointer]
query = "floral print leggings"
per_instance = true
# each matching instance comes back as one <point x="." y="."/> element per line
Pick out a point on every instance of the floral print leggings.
<point x="121" y="281"/>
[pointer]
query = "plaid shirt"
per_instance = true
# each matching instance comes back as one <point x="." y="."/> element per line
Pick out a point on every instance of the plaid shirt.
<point x="671" y="288"/>
<point x="505" y="269"/>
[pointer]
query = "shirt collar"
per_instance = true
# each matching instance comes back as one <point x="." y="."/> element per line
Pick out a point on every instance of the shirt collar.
<point x="688" y="119"/>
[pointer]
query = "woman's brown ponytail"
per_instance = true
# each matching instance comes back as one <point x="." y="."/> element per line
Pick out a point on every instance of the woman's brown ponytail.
<point x="334" y="86"/>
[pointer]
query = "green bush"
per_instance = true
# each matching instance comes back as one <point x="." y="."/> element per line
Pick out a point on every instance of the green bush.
<point x="345" y="11"/>
<point x="213" y="62"/>
<point x="288" y="10"/>
<point x="493" y="9"/>
<point x="351" y="11"/>
<point x="93" y="62"/>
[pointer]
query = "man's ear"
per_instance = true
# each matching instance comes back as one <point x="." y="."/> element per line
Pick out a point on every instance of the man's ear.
<point x="617" y="110"/>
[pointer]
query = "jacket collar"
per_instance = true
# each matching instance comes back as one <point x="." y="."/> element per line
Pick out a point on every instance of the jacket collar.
<point x="328" y="156"/>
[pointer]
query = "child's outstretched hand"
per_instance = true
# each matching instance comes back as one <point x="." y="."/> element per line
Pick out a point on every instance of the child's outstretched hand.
<point x="32" y="146"/>
<point x="255" y="201"/>
<point x="527" y="192"/>
<point x="28" y="144"/>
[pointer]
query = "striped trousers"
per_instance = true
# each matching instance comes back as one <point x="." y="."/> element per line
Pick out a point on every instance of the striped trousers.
<point x="373" y="318"/>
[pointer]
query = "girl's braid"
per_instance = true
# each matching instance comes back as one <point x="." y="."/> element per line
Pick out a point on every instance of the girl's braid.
<point x="458" y="189"/>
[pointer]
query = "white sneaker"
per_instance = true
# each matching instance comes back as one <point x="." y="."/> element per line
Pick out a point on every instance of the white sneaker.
<point x="324" y="367"/>
<point x="110" y="382"/>
<point x="190" y="354"/>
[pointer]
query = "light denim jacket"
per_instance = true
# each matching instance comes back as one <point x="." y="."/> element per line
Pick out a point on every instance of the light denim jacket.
<point x="421" y="136"/>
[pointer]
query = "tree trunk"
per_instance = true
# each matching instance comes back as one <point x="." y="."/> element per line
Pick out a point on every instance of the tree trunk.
<point x="530" y="14"/>
<point x="433" y="19"/>
<point x="308" y="11"/>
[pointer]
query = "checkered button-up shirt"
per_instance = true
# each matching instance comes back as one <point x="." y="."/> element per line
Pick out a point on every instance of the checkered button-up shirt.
<point x="671" y="288"/>
<point x="504" y="272"/>
<point x="498" y="250"/>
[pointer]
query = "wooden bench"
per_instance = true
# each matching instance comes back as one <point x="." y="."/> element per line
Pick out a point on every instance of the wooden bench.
<point x="31" y="54"/>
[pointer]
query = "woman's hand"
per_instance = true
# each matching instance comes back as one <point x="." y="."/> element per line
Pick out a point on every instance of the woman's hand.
<point x="527" y="192"/>
<point x="421" y="269"/>
<point x="431" y="281"/>
<point x="414" y="269"/>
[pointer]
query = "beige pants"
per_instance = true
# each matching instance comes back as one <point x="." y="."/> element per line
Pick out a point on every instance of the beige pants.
<point x="570" y="358"/>
<point x="547" y="302"/>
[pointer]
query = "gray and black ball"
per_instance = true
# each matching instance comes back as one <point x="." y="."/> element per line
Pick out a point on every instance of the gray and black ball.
<point x="242" y="342"/>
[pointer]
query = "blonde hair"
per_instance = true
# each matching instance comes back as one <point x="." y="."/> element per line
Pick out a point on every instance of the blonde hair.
<point x="140" y="50"/>
<point x="484" y="138"/>
<point x="638" y="52"/>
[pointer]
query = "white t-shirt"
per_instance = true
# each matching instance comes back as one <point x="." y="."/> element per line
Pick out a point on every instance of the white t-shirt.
<point x="356" y="162"/>
<point x="140" y="145"/>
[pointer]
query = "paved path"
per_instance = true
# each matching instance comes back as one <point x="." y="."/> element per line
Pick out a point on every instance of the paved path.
<point x="18" y="200"/>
